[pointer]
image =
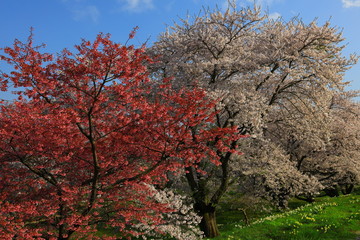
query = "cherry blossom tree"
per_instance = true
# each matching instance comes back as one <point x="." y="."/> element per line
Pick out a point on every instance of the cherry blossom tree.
<point x="181" y="223"/>
<point x="84" y="142"/>
<point x="337" y="165"/>
<point x="273" y="79"/>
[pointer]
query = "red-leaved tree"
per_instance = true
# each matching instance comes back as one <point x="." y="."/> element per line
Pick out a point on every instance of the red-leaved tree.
<point x="88" y="135"/>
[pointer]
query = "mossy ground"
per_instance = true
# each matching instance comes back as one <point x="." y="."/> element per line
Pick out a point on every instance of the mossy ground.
<point x="336" y="218"/>
<point x="326" y="218"/>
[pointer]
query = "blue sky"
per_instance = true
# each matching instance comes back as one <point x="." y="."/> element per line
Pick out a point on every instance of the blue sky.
<point x="62" y="23"/>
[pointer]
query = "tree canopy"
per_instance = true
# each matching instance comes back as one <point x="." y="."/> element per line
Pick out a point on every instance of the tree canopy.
<point x="87" y="139"/>
<point x="276" y="80"/>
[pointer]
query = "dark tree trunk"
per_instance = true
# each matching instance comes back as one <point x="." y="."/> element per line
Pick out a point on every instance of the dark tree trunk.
<point x="282" y="203"/>
<point x="208" y="222"/>
<point x="205" y="203"/>
<point x="332" y="192"/>
<point x="309" y="199"/>
<point x="283" y="198"/>
<point x="209" y="226"/>
<point x="347" y="189"/>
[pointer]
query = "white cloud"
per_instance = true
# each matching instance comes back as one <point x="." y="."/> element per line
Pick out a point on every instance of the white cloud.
<point x="351" y="3"/>
<point x="264" y="3"/>
<point x="169" y="6"/>
<point x="137" y="5"/>
<point x="274" y="15"/>
<point x="242" y="3"/>
<point x="87" y="12"/>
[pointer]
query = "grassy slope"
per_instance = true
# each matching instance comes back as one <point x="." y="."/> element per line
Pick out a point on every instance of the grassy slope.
<point x="327" y="218"/>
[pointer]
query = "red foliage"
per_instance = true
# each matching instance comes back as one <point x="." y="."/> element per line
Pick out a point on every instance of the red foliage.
<point x="86" y="136"/>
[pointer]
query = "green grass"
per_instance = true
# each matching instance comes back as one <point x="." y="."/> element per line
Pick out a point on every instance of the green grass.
<point x="327" y="218"/>
<point x="335" y="218"/>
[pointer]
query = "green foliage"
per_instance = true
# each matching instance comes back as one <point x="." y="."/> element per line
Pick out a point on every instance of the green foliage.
<point x="327" y="218"/>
